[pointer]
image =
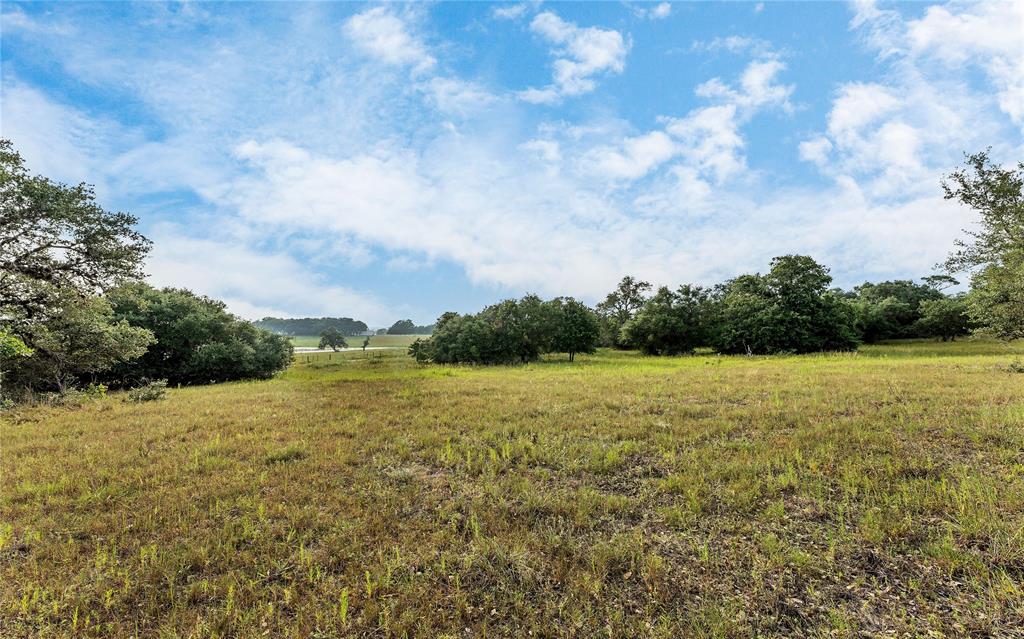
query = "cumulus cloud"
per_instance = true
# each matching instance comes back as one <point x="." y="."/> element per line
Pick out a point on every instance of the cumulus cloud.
<point x="320" y="159"/>
<point x="382" y="34"/>
<point x="254" y="284"/>
<point x="894" y="137"/>
<point x="510" y="11"/>
<point x="707" y="139"/>
<point x="580" y="54"/>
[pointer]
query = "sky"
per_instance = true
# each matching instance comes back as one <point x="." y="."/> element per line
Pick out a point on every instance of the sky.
<point x="388" y="161"/>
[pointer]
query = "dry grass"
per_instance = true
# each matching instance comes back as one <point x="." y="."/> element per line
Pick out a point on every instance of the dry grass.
<point x="879" y="494"/>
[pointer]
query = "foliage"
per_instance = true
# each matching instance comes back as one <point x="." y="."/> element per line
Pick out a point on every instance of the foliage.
<point x="511" y="331"/>
<point x="890" y="310"/>
<point x="787" y="310"/>
<point x="81" y="337"/>
<point x="575" y="327"/>
<point x="672" y="322"/>
<point x="406" y="327"/>
<point x="995" y="251"/>
<point x="333" y="339"/>
<point x="57" y="239"/>
<point x="945" y="318"/>
<point x="198" y="341"/>
<point x="149" y="392"/>
<point x="619" y="307"/>
<point x="311" y="325"/>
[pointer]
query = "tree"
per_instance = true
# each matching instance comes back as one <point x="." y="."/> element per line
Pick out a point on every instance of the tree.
<point x="789" y="309"/>
<point x="198" y="341"/>
<point x="994" y="253"/>
<point x="80" y="337"/>
<point x="406" y="327"/>
<point x="671" y="322"/>
<point x="56" y="238"/>
<point x="11" y="348"/>
<point x="575" y="327"/>
<point x="333" y="339"/>
<point x="619" y="307"/>
<point x="366" y="342"/>
<point x="945" y="318"/>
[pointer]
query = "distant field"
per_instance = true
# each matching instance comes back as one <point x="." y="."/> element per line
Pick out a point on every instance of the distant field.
<point x="873" y="494"/>
<point x="399" y="341"/>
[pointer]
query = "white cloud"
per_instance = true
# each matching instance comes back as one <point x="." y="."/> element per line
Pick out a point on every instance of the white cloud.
<point x="253" y="284"/>
<point x="894" y="137"/>
<point x="707" y="139"/>
<point x="815" y="150"/>
<point x="452" y="95"/>
<point x="328" y="157"/>
<point x="990" y="35"/>
<point x="380" y="33"/>
<point x="549" y="150"/>
<point x="633" y="158"/>
<point x="510" y="11"/>
<point x="580" y="54"/>
<point x="661" y="10"/>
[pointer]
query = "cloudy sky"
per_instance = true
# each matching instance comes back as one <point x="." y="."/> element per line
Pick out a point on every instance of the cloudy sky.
<point x="387" y="161"/>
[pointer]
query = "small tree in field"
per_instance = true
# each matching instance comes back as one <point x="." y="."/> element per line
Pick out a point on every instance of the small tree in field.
<point x="333" y="339"/>
<point x="575" y="329"/>
<point x="945" y="318"/>
<point x="366" y="342"/>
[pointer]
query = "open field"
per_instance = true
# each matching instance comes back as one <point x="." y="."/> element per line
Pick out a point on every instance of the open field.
<point x="871" y="494"/>
<point x="394" y="341"/>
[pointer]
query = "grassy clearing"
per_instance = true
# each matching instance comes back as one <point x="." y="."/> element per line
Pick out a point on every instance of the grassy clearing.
<point x="871" y="494"/>
<point x="394" y="341"/>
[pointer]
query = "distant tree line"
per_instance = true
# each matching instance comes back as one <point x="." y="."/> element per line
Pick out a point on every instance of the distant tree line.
<point x="406" y="327"/>
<point x="312" y="325"/>
<point x="73" y="310"/>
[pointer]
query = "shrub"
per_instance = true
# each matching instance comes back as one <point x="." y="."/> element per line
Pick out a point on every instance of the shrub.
<point x="149" y="392"/>
<point x="197" y="340"/>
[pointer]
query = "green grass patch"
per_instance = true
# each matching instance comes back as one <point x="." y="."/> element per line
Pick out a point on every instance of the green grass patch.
<point x="879" y="493"/>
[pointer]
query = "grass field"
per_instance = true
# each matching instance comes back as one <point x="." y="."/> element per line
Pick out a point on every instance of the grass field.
<point x="876" y="494"/>
<point x="394" y="341"/>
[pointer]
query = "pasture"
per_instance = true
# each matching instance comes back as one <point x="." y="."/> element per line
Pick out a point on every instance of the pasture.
<point x="355" y="341"/>
<point x="871" y="494"/>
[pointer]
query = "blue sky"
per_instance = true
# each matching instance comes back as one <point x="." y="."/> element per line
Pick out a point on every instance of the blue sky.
<point x="391" y="161"/>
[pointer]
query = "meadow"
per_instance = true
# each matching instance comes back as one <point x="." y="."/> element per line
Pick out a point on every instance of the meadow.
<point x="871" y="494"/>
<point x="384" y="341"/>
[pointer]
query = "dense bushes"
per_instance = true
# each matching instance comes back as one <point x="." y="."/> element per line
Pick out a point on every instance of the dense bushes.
<point x="197" y="340"/>
<point x="511" y="331"/>
<point x="790" y="309"/>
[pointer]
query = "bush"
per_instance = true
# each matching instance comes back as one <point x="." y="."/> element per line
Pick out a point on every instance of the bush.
<point x="149" y="392"/>
<point x="197" y="340"/>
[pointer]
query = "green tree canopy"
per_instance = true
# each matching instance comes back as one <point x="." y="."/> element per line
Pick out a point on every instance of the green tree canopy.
<point x="945" y="318"/>
<point x="80" y="338"/>
<point x="333" y="339"/>
<point x="575" y="327"/>
<point x="790" y="309"/>
<point x="619" y="307"/>
<point x="671" y="322"/>
<point x="994" y="253"/>
<point x="198" y="341"/>
<point x="55" y="238"/>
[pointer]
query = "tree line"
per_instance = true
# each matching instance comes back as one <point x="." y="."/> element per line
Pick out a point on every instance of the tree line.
<point x="74" y="311"/>
<point x="312" y="325"/>
<point x="789" y="309"/>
